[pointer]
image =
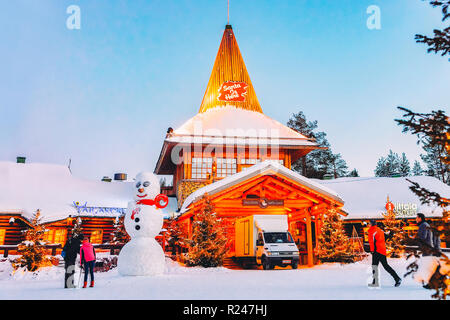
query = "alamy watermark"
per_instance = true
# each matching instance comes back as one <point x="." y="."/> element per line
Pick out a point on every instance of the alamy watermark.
<point x="374" y="20"/>
<point x="73" y="22"/>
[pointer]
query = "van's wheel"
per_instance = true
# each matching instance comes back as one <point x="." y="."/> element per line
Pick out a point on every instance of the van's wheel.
<point x="266" y="264"/>
<point x="294" y="265"/>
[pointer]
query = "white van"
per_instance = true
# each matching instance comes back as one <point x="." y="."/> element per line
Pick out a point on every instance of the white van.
<point x="265" y="240"/>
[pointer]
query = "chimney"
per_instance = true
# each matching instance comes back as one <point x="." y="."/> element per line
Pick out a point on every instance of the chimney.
<point x="120" y="176"/>
<point x="21" y="159"/>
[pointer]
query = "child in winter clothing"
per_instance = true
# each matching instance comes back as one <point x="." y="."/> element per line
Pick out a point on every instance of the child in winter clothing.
<point x="378" y="250"/>
<point x="87" y="257"/>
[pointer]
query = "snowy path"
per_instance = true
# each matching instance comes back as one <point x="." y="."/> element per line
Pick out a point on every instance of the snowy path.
<point x="329" y="281"/>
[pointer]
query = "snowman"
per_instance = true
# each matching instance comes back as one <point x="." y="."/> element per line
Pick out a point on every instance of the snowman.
<point x="142" y="255"/>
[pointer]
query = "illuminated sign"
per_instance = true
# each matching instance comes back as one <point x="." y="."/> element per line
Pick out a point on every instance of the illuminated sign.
<point x="262" y="203"/>
<point x="405" y="209"/>
<point x="231" y="91"/>
<point x="81" y="209"/>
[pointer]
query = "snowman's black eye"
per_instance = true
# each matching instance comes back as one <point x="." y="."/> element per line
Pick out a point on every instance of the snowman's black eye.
<point x="146" y="184"/>
<point x="138" y="185"/>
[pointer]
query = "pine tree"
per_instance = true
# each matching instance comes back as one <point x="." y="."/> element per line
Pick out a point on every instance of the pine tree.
<point x="433" y="131"/>
<point x="175" y="236"/>
<point x="120" y="235"/>
<point x="334" y="245"/>
<point x="353" y="173"/>
<point x="338" y="166"/>
<point x="404" y="167"/>
<point x="395" y="238"/>
<point x="417" y="169"/>
<point x="392" y="165"/>
<point x="440" y="42"/>
<point x="208" y="246"/>
<point x="32" y="249"/>
<point x="318" y="162"/>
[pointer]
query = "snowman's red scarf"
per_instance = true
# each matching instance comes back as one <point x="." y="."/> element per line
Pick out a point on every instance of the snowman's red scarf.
<point x="150" y="202"/>
<point x="146" y="202"/>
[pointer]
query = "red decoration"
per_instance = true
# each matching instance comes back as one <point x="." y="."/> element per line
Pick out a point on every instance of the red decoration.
<point x="390" y="206"/>
<point x="232" y="91"/>
<point x="161" y="201"/>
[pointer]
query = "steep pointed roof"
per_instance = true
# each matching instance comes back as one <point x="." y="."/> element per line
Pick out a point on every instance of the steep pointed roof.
<point x="230" y="83"/>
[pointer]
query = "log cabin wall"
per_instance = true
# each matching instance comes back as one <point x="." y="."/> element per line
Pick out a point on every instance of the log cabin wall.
<point x="11" y="233"/>
<point x="100" y="229"/>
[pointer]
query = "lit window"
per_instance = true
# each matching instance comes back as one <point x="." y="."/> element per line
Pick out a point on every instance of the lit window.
<point x="56" y="236"/>
<point x="226" y="167"/>
<point x="201" y="167"/>
<point x="2" y="236"/>
<point x="97" y="236"/>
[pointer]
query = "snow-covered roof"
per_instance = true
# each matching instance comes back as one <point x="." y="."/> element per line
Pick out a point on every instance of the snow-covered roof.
<point x="267" y="167"/>
<point x="230" y="125"/>
<point x="24" y="188"/>
<point x="365" y="198"/>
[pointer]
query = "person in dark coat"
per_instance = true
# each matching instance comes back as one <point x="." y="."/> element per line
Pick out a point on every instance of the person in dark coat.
<point x="70" y="249"/>
<point x="424" y="233"/>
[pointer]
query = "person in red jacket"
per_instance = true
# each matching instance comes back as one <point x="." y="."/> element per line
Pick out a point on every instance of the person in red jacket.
<point x="378" y="250"/>
<point x="87" y="258"/>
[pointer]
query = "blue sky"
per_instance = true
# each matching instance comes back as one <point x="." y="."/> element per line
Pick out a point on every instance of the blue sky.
<point x="105" y="95"/>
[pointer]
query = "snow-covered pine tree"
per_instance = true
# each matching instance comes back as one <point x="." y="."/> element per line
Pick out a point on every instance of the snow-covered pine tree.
<point x="390" y="166"/>
<point x="395" y="235"/>
<point x="175" y="236"/>
<point x="208" y="246"/>
<point x="32" y="250"/>
<point x="334" y="244"/>
<point x="417" y="169"/>
<point x="120" y="235"/>
<point x="404" y="167"/>
<point x="353" y="173"/>
<point x="318" y="162"/>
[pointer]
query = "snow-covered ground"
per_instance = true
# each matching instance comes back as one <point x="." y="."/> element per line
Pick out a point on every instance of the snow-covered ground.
<point x="327" y="281"/>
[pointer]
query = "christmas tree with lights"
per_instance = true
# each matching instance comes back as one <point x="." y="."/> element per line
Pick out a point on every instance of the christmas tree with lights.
<point x="120" y="235"/>
<point x="32" y="249"/>
<point x="207" y="248"/>
<point x="395" y="236"/>
<point x="334" y="245"/>
<point x="175" y="236"/>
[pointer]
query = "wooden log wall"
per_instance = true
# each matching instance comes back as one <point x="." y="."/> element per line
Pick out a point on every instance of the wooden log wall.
<point x="14" y="234"/>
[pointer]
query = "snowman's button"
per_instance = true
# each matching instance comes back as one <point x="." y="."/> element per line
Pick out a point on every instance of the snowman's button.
<point x="137" y="227"/>
<point x="137" y="220"/>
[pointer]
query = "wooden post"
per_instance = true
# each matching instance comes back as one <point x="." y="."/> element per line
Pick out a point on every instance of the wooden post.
<point x="309" y="239"/>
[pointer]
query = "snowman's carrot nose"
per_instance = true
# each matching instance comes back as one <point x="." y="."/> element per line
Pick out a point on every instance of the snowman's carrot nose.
<point x="141" y="190"/>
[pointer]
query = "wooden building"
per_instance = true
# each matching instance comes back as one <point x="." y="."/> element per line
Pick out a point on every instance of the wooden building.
<point x="242" y="157"/>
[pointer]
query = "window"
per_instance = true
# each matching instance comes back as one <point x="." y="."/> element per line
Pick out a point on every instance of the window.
<point x="2" y="236"/>
<point x="201" y="167"/>
<point x="226" y="167"/>
<point x="97" y="236"/>
<point x="277" y="237"/>
<point x="56" y="236"/>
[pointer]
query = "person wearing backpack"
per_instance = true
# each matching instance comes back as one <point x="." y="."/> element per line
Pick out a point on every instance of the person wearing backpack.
<point x="69" y="254"/>
<point x="87" y="258"/>
<point x="424" y="234"/>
